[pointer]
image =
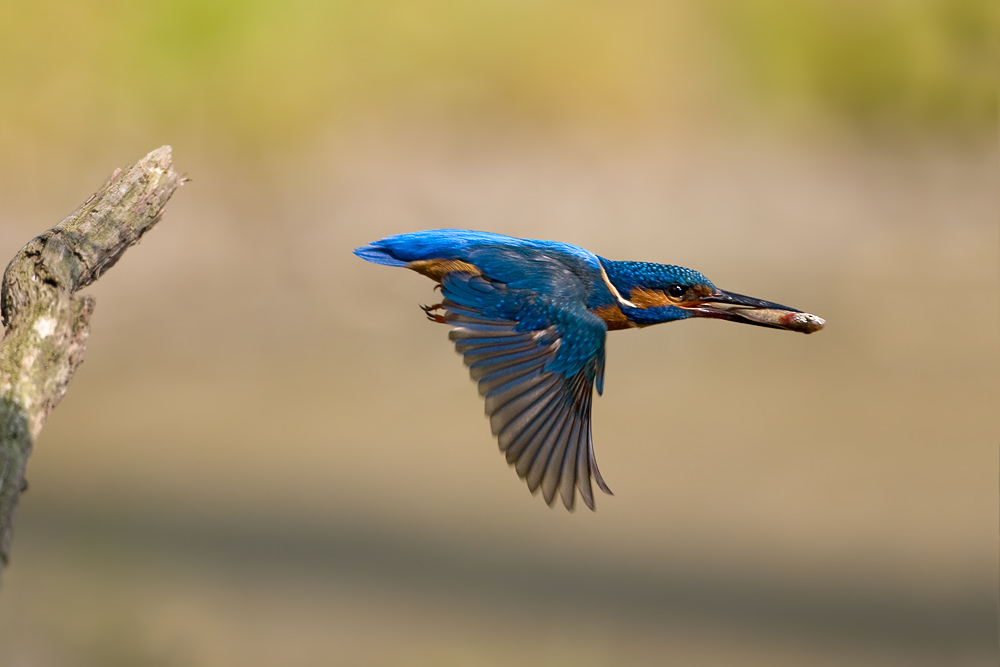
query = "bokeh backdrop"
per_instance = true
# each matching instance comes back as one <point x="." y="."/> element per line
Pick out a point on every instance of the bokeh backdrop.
<point x="269" y="457"/>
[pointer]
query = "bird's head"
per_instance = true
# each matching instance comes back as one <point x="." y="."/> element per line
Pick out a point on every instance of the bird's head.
<point x="654" y="293"/>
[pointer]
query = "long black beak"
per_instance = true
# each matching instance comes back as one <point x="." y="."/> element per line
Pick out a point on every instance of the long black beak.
<point x="738" y="308"/>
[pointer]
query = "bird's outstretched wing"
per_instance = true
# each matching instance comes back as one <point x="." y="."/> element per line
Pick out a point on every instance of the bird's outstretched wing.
<point x="536" y="358"/>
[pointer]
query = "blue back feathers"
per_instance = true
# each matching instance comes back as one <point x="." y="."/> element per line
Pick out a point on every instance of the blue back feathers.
<point x="400" y="249"/>
<point x="549" y="267"/>
<point x="557" y="270"/>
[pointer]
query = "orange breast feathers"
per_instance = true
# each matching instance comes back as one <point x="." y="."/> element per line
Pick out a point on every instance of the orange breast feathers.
<point x="614" y="318"/>
<point x="436" y="269"/>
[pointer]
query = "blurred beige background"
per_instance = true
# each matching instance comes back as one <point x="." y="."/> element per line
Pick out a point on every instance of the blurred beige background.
<point x="269" y="457"/>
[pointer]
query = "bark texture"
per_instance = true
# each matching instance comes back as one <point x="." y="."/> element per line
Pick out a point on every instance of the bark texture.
<point x="47" y="324"/>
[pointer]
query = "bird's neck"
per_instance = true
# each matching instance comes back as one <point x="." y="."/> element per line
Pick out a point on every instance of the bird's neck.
<point x="629" y="280"/>
<point x="621" y="275"/>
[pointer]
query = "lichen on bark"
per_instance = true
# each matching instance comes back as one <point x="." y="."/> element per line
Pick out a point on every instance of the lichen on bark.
<point x="46" y="323"/>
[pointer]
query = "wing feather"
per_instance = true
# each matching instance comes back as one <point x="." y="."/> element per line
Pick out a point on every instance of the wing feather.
<point x="583" y="473"/>
<point x="567" y="472"/>
<point x="523" y="433"/>
<point x="556" y="468"/>
<point x="553" y="467"/>
<point x="537" y="469"/>
<point x="536" y="360"/>
<point x="539" y="444"/>
<point x="524" y="406"/>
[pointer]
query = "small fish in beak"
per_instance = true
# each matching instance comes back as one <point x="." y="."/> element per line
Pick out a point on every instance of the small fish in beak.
<point x="783" y="319"/>
<point x="746" y="309"/>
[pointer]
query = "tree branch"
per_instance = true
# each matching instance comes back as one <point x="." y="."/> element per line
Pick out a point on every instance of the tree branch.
<point x="47" y="324"/>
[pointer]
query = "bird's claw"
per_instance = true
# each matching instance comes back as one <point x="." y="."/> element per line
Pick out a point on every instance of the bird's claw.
<point x="431" y="315"/>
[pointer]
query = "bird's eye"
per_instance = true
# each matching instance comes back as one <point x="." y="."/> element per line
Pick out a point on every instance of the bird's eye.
<point x="676" y="291"/>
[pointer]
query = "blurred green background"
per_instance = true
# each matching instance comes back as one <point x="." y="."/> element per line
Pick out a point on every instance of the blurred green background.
<point x="269" y="457"/>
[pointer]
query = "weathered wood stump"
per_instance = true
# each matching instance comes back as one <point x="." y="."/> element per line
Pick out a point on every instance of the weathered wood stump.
<point x="47" y="324"/>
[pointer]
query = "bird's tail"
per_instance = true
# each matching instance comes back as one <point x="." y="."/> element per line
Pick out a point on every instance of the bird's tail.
<point x="379" y="254"/>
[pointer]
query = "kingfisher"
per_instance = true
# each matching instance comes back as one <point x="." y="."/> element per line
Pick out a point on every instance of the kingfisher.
<point x="530" y="319"/>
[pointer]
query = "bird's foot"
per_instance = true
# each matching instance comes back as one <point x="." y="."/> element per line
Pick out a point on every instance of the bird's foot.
<point x="431" y="315"/>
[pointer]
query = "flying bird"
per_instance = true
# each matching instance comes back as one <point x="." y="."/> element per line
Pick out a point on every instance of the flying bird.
<point x="530" y="319"/>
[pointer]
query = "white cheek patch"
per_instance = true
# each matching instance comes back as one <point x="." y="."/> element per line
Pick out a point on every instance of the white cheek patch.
<point x="614" y="290"/>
